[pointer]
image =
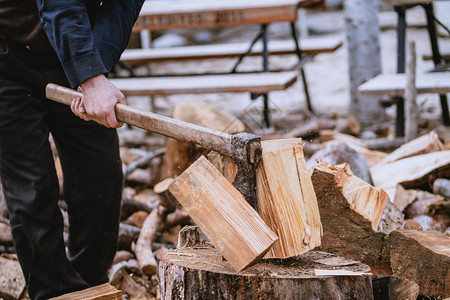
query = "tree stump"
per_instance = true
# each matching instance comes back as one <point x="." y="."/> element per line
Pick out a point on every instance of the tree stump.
<point x="190" y="273"/>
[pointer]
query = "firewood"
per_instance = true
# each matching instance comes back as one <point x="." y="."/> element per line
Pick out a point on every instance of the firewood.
<point x="201" y="273"/>
<point x="145" y="200"/>
<point x="412" y="224"/>
<point x="441" y="186"/>
<point x="127" y="235"/>
<point x="425" y="144"/>
<point x="178" y="217"/>
<point x="423" y="257"/>
<point x="100" y="292"/>
<point x="337" y="153"/>
<point x="411" y="172"/>
<point x="224" y="164"/>
<point x="428" y="223"/>
<point x="143" y="247"/>
<point x="421" y="203"/>
<point x="137" y="218"/>
<point x="180" y="155"/>
<point x="12" y="282"/>
<point x="286" y="198"/>
<point x="310" y="129"/>
<point x="191" y="237"/>
<point x="355" y="216"/>
<point x="403" y="289"/>
<point x="124" y="282"/>
<point x="143" y="161"/>
<point x="122" y="255"/>
<point x="222" y="213"/>
<point x="5" y="234"/>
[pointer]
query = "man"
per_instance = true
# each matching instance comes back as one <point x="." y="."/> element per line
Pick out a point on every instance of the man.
<point x="73" y="43"/>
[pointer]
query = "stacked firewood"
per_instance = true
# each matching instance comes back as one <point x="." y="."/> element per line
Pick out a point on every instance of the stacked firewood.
<point x="378" y="216"/>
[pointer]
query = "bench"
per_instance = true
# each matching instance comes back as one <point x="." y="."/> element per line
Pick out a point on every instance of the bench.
<point x="311" y="46"/>
<point x="254" y="83"/>
<point x="394" y="84"/>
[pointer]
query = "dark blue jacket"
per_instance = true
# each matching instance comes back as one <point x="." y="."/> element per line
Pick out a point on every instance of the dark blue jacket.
<point x="88" y="36"/>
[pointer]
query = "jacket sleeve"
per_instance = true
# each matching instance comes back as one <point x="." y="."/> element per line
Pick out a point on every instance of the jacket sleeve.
<point x="85" y="52"/>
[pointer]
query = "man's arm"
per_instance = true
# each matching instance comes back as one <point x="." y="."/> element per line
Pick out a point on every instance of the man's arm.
<point x="67" y="25"/>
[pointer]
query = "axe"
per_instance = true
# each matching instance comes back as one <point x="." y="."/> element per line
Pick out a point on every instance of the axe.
<point x="244" y="148"/>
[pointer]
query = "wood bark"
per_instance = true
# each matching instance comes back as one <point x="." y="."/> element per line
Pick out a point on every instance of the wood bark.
<point x="222" y="213"/>
<point x="202" y="274"/>
<point x="336" y="153"/>
<point x="5" y="234"/>
<point x="363" y="45"/>
<point x="127" y="235"/>
<point x="425" y="144"/>
<point x="224" y="164"/>
<point x="12" y="282"/>
<point x="355" y="216"/>
<point x="423" y="257"/>
<point x="180" y="155"/>
<point x="441" y="186"/>
<point x="403" y="289"/>
<point x="286" y="198"/>
<point x="412" y="172"/>
<point x="3" y="208"/>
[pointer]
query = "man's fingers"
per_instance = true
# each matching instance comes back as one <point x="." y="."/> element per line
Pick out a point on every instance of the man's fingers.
<point x="79" y="110"/>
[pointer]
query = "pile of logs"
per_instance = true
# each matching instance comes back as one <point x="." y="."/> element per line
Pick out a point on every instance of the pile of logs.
<point x="339" y="217"/>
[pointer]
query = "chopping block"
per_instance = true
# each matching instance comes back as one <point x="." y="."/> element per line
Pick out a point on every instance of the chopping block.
<point x="244" y="148"/>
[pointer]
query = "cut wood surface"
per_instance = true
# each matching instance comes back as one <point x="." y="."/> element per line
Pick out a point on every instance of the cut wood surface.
<point x="160" y="15"/>
<point x="192" y="273"/>
<point x="180" y="155"/>
<point x="411" y="172"/>
<point x="229" y="83"/>
<point x="99" y="292"/>
<point x="286" y="198"/>
<point x="355" y="216"/>
<point x="403" y="289"/>
<point x="12" y="282"/>
<point x="235" y="229"/>
<point x="423" y="257"/>
<point x="394" y="84"/>
<point x="310" y="46"/>
<point x="425" y="144"/>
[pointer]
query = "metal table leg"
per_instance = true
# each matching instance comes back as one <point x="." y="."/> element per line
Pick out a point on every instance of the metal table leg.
<point x="401" y="38"/>
<point x="266" y="112"/>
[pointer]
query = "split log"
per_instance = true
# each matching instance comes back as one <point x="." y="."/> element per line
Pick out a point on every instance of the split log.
<point x="412" y="172"/>
<point x="419" y="206"/>
<point x="336" y="153"/>
<point x="425" y="144"/>
<point x="12" y="282"/>
<point x="143" y="248"/>
<point x="423" y="257"/>
<point x="395" y="288"/>
<point x="127" y="235"/>
<point x="441" y="186"/>
<point x="222" y="213"/>
<point x="122" y="255"/>
<point x="137" y="219"/>
<point x="179" y="155"/>
<point x="104" y="291"/>
<point x="286" y="198"/>
<point x="428" y="223"/>
<point x="310" y="129"/>
<point x="124" y="282"/>
<point x="224" y="164"/>
<point x="355" y="216"/>
<point x="201" y="273"/>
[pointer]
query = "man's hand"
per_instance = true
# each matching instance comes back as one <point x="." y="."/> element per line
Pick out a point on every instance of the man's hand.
<point x="98" y="101"/>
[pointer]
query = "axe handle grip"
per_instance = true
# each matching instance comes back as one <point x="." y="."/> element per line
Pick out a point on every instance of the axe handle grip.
<point x="179" y="130"/>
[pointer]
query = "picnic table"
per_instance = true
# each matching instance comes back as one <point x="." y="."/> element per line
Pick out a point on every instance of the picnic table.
<point x="400" y="7"/>
<point x="182" y="14"/>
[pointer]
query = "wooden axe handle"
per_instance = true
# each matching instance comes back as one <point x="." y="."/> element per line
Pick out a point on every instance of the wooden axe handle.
<point x="179" y="130"/>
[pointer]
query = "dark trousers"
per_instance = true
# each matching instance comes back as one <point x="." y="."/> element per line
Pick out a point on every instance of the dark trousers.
<point x="89" y="155"/>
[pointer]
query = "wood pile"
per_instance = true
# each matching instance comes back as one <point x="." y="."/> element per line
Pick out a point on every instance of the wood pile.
<point x="371" y="217"/>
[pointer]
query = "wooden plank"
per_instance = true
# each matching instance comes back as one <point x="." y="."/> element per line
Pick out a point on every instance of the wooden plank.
<point x="230" y="83"/>
<point x="310" y="46"/>
<point x="162" y="15"/>
<point x="286" y="198"/>
<point x="394" y="84"/>
<point x="234" y="228"/>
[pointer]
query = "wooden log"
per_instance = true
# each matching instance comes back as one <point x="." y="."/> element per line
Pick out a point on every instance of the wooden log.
<point x="143" y="248"/>
<point x="425" y="144"/>
<point x="441" y="186"/>
<point x="422" y="201"/>
<point x="423" y="257"/>
<point x="3" y="208"/>
<point x="222" y="213"/>
<point x="180" y="155"/>
<point x="224" y="164"/>
<point x="201" y="273"/>
<point x="127" y="235"/>
<point x="400" y="288"/>
<point x="124" y="282"/>
<point x="137" y="219"/>
<point x="12" y="282"/>
<point x="336" y="153"/>
<point x="355" y="216"/>
<point x="411" y="172"/>
<point x="286" y="198"/>
<point x="100" y="292"/>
